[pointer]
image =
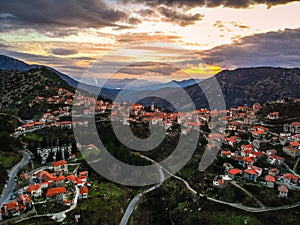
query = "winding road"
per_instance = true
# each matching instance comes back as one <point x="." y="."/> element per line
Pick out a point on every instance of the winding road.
<point x="134" y="201"/>
<point x="11" y="184"/>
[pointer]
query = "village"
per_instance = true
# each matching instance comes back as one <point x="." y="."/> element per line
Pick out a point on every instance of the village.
<point x="251" y="149"/>
<point x="50" y="183"/>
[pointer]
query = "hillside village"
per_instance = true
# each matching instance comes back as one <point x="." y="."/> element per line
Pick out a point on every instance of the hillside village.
<point x="251" y="148"/>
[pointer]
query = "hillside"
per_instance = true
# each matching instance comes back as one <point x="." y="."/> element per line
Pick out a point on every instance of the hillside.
<point x="18" y="89"/>
<point x="239" y="87"/>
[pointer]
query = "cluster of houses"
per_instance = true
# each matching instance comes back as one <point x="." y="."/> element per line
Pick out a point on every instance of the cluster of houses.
<point x="15" y="208"/>
<point x="251" y="159"/>
<point x="58" y="185"/>
<point x="63" y="96"/>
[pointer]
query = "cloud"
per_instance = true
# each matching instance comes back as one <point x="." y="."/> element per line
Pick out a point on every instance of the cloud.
<point x="129" y="37"/>
<point x="134" y="20"/>
<point x="269" y="49"/>
<point x="219" y="24"/>
<point x="147" y="13"/>
<point x="176" y="17"/>
<point x="209" y="3"/>
<point x="63" y="51"/>
<point x="48" y="16"/>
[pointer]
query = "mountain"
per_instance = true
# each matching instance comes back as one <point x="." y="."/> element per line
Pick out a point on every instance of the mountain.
<point x="171" y="84"/>
<point x="240" y="86"/>
<point x="11" y="64"/>
<point x="20" y="88"/>
<point x="8" y="63"/>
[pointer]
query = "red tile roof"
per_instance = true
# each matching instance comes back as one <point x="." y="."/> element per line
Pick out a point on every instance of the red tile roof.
<point x="270" y="178"/>
<point x="249" y="159"/>
<point x="283" y="188"/>
<point x="60" y="178"/>
<point x="71" y="178"/>
<point x="62" y="162"/>
<point x="290" y="176"/>
<point x="84" y="190"/>
<point x="234" y="171"/>
<point x="11" y="205"/>
<point x="26" y="197"/>
<point x="55" y="191"/>
<point x="251" y="171"/>
<point x="83" y="173"/>
<point x="33" y="187"/>
<point x="44" y="175"/>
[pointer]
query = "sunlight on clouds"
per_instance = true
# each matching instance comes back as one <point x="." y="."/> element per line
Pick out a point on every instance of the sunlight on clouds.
<point x="203" y="71"/>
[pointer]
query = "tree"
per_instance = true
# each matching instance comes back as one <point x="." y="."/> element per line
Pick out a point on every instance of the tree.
<point x="59" y="155"/>
<point x="66" y="153"/>
<point x="50" y="157"/>
<point x="74" y="148"/>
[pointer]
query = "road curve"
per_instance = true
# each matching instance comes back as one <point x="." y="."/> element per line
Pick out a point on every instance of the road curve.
<point x="11" y="184"/>
<point x="134" y="201"/>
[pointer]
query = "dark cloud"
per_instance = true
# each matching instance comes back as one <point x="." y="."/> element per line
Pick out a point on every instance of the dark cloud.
<point x="52" y="15"/>
<point x="134" y="20"/>
<point x="63" y="51"/>
<point x="176" y="17"/>
<point x="147" y="13"/>
<point x="209" y="3"/>
<point x="279" y="48"/>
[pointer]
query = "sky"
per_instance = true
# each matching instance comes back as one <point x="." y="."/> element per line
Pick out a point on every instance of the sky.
<point x="151" y="39"/>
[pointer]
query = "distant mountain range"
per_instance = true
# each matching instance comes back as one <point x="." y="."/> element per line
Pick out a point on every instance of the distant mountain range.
<point x="240" y="86"/>
<point x="141" y="85"/>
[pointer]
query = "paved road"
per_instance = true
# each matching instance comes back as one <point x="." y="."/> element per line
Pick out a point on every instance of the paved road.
<point x="11" y="184"/>
<point x="18" y="118"/>
<point x="135" y="200"/>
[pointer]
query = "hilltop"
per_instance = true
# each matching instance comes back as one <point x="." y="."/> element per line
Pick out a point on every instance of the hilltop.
<point x="19" y="89"/>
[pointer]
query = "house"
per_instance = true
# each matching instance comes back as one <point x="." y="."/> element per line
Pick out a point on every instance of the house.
<point x="60" y="166"/>
<point x="295" y="127"/>
<point x="247" y="147"/>
<point x="273" y="115"/>
<point x="15" y="208"/>
<point x="232" y="125"/>
<point x="249" y="160"/>
<point x="290" y="178"/>
<point x="291" y="151"/>
<point x="258" y="134"/>
<point x="57" y="192"/>
<point x="234" y="172"/>
<point x="83" y="192"/>
<point x="271" y="152"/>
<point x="44" y="176"/>
<point x="225" y="154"/>
<point x="11" y="209"/>
<point x="283" y="191"/>
<point x="251" y="174"/>
<point x="296" y="138"/>
<point x="275" y="160"/>
<point x="273" y="172"/>
<point x="257" y="169"/>
<point x="284" y="137"/>
<point x="67" y="202"/>
<point x="270" y="180"/>
<point x="34" y="190"/>
<point x="71" y="178"/>
<point x="60" y="179"/>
